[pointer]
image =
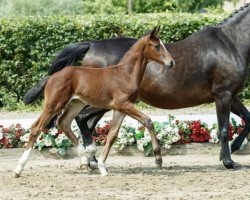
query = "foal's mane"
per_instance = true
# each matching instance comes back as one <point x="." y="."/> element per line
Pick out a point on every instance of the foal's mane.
<point x="138" y="46"/>
<point x="134" y="50"/>
<point x="235" y="14"/>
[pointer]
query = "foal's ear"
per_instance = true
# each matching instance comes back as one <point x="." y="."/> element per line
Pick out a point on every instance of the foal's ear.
<point x="155" y="31"/>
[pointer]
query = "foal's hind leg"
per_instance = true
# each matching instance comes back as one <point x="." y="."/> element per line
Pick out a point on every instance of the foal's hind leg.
<point x="64" y="122"/>
<point x="239" y="109"/>
<point x="112" y="135"/>
<point x="36" y="129"/>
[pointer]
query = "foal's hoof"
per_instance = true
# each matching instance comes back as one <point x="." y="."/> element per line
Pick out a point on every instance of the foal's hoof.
<point x="104" y="173"/>
<point x="159" y="166"/>
<point x="232" y="165"/>
<point x="158" y="163"/>
<point x="103" y="169"/>
<point x="17" y="175"/>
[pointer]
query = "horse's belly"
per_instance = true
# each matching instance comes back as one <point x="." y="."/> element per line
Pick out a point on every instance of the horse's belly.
<point x="170" y="101"/>
<point x="174" y="96"/>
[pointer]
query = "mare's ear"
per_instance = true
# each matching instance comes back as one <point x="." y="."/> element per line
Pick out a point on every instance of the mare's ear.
<point x="155" y="31"/>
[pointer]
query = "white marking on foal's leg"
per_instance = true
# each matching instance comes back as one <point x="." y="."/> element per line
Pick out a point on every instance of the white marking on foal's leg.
<point x="22" y="162"/>
<point x="102" y="166"/>
<point x="91" y="150"/>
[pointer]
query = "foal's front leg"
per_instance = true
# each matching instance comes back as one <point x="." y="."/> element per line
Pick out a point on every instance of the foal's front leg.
<point x="112" y="135"/>
<point x="130" y="110"/>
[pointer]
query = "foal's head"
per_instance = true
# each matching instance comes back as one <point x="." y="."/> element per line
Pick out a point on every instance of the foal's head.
<point x="155" y="49"/>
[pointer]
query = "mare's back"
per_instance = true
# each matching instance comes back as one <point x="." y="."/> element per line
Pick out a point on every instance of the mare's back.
<point x="108" y="52"/>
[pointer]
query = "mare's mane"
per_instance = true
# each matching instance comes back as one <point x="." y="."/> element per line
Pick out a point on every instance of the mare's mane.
<point x="235" y="14"/>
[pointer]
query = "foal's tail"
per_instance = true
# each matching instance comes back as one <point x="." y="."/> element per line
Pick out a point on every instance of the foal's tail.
<point x="67" y="57"/>
<point x="33" y="93"/>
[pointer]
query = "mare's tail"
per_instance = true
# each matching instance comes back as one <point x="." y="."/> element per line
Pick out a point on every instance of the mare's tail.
<point x="67" y="57"/>
<point x="33" y="93"/>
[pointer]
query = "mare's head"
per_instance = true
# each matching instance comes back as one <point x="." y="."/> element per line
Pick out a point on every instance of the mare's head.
<point x="156" y="51"/>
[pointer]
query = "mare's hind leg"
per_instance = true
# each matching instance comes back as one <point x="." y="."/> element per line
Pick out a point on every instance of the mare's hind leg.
<point x="86" y="121"/>
<point x="239" y="109"/>
<point x="112" y="135"/>
<point x="64" y="122"/>
<point x="36" y="129"/>
<point x="223" y="107"/>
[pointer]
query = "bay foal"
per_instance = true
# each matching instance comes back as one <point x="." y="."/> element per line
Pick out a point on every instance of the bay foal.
<point x="114" y="87"/>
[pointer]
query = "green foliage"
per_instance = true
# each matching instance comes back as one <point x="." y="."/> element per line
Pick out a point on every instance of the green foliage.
<point x="29" y="44"/>
<point x="105" y="7"/>
<point x="40" y="7"/>
<point x="191" y="5"/>
<point x="121" y="6"/>
<point x="90" y="7"/>
<point x="145" y="6"/>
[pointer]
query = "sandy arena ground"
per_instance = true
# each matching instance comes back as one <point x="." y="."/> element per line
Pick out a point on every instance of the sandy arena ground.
<point x="183" y="177"/>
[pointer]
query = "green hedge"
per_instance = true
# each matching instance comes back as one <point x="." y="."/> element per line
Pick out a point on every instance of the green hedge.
<point x="28" y="44"/>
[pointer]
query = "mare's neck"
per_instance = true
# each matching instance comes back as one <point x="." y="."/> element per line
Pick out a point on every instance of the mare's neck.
<point x="237" y="29"/>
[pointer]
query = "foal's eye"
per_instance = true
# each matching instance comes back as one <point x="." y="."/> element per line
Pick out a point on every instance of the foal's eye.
<point x="157" y="47"/>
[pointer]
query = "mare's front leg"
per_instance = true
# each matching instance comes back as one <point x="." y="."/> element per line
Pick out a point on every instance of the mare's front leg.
<point x="130" y="110"/>
<point x="239" y="109"/>
<point x="112" y="135"/>
<point x="86" y="121"/>
<point x="223" y="106"/>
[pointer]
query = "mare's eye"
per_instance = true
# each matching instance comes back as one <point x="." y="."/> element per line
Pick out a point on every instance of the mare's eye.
<point x="157" y="47"/>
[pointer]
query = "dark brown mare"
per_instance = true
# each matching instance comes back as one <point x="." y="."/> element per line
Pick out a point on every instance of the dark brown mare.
<point x="115" y="87"/>
<point x="211" y="65"/>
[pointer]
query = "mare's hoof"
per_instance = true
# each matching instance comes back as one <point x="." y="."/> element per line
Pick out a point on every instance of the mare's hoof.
<point x="93" y="165"/>
<point x="17" y="175"/>
<point x="232" y="165"/>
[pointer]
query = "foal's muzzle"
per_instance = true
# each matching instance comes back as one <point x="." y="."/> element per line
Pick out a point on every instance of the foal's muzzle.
<point x="169" y="64"/>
